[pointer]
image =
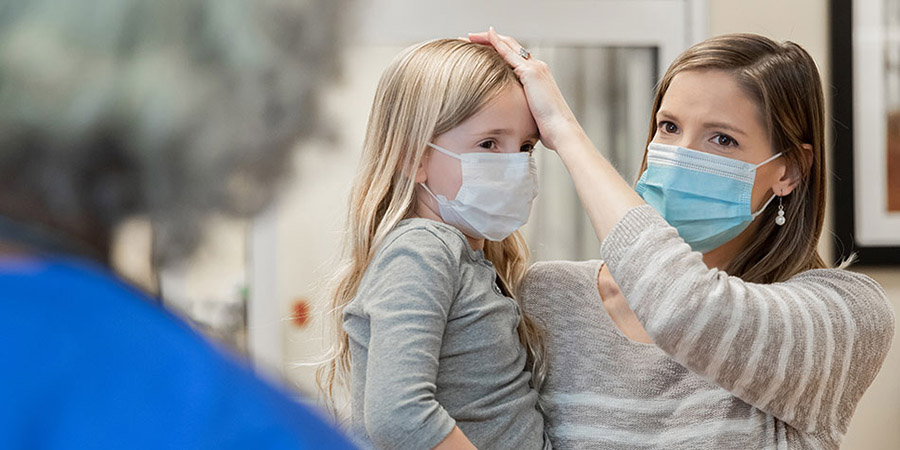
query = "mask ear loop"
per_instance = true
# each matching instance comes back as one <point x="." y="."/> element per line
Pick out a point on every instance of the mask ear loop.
<point x="429" y="192"/>
<point x="764" y="206"/>
<point x="768" y="160"/>
<point x="757" y="213"/>
<point x="445" y="151"/>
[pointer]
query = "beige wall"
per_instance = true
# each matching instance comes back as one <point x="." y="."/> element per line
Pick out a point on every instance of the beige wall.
<point x="876" y="424"/>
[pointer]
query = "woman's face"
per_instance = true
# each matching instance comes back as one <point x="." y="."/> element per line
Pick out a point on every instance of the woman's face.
<point x="504" y="125"/>
<point x="707" y="111"/>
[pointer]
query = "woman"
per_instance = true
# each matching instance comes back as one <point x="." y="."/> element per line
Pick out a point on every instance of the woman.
<point x="723" y="327"/>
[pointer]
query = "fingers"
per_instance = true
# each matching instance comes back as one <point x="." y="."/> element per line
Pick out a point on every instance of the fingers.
<point x="507" y="50"/>
<point x="479" y="38"/>
<point x="507" y="46"/>
<point x="513" y="44"/>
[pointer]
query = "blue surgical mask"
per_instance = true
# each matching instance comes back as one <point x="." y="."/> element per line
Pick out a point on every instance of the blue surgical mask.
<point x="705" y="197"/>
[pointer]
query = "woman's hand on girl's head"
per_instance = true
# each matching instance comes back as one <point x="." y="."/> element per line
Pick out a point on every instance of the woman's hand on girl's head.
<point x="552" y="114"/>
<point x="606" y="196"/>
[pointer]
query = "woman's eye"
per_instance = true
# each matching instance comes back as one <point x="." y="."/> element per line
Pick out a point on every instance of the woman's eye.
<point x="527" y="148"/>
<point x="724" y="140"/>
<point x="668" y="127"/>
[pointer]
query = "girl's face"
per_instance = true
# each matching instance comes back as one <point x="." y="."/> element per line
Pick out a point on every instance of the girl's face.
<point x="709" y="112"/>
<point x="504" y="125"/>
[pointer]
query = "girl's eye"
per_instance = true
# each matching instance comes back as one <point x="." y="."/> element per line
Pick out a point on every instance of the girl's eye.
<point x="489" y="145"/>
<point x="724" y="140"/>
<point x="668" y="127"/>
<point x="527" y="148"/>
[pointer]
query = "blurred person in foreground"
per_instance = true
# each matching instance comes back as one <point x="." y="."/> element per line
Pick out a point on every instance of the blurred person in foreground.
<point x="170" y="110"/>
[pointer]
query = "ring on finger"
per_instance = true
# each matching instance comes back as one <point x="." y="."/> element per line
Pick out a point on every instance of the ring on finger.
<point x="525" y="54"/>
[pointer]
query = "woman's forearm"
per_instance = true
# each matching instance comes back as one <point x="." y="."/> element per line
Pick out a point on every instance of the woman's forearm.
<point x="605" y="195"/>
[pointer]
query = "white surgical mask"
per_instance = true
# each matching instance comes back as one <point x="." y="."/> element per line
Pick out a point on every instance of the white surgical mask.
<point x="496" y="194"/>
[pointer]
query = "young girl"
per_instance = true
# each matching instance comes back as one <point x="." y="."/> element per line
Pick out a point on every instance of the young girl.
<point x="436" y="347"/>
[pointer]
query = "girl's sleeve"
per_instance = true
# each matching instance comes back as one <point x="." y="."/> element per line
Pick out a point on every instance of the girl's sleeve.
<point x="804" y="350"/>
<point x="407" y="293"/>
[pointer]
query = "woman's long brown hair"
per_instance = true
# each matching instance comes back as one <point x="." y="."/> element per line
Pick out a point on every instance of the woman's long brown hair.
<point x="783" y="80"/>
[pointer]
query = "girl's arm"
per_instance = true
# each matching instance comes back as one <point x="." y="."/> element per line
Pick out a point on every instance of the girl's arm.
<point x="406" y="294"/>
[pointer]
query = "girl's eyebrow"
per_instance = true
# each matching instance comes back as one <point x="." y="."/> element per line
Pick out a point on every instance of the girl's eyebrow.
<point x="496" y="132"/>
<point x="505" y="132"/>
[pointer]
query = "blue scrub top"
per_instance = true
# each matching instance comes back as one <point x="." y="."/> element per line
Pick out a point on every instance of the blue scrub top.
<point x="87" y="361"/>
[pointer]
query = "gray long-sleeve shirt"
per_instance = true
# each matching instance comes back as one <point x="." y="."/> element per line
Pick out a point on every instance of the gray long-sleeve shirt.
<point x="735" y="365"/>
<point x="433" y="344"/>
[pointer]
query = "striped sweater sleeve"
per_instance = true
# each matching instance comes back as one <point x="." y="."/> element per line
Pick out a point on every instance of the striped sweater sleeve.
<point x="803" y="350"/>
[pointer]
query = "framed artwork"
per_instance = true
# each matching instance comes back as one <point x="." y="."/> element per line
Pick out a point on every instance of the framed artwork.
<point x="865" y="66"/>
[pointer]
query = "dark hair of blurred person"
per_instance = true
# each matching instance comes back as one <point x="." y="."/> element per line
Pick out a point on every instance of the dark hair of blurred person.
<point x="170" y="110"/>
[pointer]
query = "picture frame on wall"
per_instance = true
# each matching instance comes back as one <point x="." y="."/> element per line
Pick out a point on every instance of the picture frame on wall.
<point x="865" y="69"/>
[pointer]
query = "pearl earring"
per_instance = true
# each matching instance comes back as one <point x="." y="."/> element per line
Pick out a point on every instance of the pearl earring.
<point x="780" y="220"/>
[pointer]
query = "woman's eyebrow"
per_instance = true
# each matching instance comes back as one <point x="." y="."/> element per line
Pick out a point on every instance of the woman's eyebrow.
<point x="724" y="126"/>
<point x="665" y="115"/>
<point x="662" y="114"/>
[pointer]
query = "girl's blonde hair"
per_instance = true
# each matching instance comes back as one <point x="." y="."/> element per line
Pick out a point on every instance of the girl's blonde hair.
<point x="427" y="90"/>
<point x="783" y="81"/>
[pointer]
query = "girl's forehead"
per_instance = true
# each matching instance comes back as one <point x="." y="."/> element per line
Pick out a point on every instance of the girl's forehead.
<point x="506" y="113"/>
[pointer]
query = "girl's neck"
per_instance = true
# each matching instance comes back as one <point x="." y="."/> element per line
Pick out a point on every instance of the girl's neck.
<point x="422" y="210"/>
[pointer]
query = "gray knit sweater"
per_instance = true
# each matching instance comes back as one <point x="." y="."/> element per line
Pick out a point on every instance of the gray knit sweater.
<point x="735" y="365"/>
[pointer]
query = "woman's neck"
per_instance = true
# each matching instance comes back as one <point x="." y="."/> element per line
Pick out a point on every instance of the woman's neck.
<point x="720" y="257"/>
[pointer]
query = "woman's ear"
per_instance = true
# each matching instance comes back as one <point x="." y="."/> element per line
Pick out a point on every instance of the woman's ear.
<point x="794" y="170"/>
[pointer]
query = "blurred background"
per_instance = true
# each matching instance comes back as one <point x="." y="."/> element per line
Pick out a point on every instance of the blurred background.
<point x="258" y="285"/>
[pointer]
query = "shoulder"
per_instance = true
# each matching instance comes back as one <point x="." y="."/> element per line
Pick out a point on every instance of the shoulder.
<point x="426" y="237"/>
<point x="85" y="333"/>
<point x="84" y="311"/>
<point x="417" y="248"/>
<point x="858" y="294"/>
<point x="851" y="286"/>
